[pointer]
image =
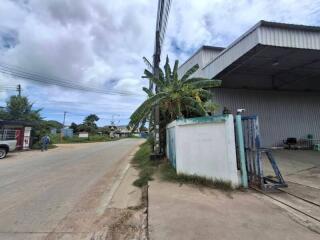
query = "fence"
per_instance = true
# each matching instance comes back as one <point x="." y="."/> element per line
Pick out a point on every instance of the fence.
<point x="204" y="146"/>
<point x="7" y="134"/>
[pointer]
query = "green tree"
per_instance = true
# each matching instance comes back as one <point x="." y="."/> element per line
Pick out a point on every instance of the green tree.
<point x="105" y="130"/>
<point x="19" y="108"/>
<point x="91" y="119"/>
<point x="89" y="124"/>
<point x="177" y="97"/>
<point x="74" y="127"/>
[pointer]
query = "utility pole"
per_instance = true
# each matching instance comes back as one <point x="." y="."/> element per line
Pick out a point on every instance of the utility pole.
<point x="63" y="124"/>
<point x="113" y="126"/>
<point x="161" y="24"/>
<point x="64" y="118"/>
<point x="19" y="90"/>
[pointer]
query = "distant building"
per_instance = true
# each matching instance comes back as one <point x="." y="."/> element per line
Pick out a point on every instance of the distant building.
<point x="67" y="132"/>
<point x="83" y="134"/>
<point x="123" y="131"/>
<point x="22" y="131"/>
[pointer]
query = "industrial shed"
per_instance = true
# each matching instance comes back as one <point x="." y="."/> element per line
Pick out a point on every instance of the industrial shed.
<point x="271" y="71"/>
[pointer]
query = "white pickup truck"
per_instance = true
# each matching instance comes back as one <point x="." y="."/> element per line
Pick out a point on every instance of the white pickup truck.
<point x="7" y="146"/>
<point x="8" y="142"/>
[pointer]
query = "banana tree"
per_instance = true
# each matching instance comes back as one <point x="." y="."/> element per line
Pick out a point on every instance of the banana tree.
<point x="177" y="97"/>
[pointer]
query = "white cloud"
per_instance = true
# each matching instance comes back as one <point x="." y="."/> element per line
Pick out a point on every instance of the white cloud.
<point x="100" y="43"/>
<point x="219" y="22"/>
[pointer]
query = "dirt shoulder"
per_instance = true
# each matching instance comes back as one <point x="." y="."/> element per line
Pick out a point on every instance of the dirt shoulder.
<point x="112" y="209"/>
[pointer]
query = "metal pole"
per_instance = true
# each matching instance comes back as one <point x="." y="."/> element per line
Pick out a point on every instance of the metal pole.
<point x="156" y="63"/>
<point x="19" y="90"/>
<point x="63" y="124"/>
<point x="244" y="176"/>
<point x="64" y="118"/>
<point x="161" y="24"/>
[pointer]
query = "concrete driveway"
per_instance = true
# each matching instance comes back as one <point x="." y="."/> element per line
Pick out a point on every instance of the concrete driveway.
<point x="301" y="171"/>
<point x="189" y="212"/>
<point x="61" y="193"/>
<point x="299" y="166"/>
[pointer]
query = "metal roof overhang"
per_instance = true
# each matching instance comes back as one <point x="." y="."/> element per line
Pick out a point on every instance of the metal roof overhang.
<point x="271" y="56"/>
<point x="274" y="68"/>
<point x="16" y="123"/>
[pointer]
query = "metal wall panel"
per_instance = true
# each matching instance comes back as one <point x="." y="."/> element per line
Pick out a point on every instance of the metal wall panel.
<point x="195" y="59"/>
<point x="208" y="55"/>
<point x="289" y="38"/>
<point x="281" y="114"/>
<point x="202" y="57"/>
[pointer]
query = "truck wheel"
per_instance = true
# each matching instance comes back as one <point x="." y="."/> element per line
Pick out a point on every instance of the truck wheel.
<point x="3" y="153"/>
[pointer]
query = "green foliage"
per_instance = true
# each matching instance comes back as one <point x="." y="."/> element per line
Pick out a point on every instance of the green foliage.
<point x="148" y="168"/>
<point x="168" y="173"/>
<point x="74" y="127"/>
<point x="89" y="124"/>
<point x="91" y="119"/>
<point x="38" y="146"/>
<point x="19" y="108"/>
<point x="43" y="127"/>
<point x="105" y="130"/>
<point x="176" y="97"/>
<point x="142" y="162"/>
<point x="75" y="139"/>
<point x="210" y="107"/>
<point x="54" y="124"/>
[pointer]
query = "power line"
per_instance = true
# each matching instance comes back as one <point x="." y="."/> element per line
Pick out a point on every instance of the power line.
<point x="85" y="115"/>
<point x="78" y="103"/>
<point x="16" y="72"/>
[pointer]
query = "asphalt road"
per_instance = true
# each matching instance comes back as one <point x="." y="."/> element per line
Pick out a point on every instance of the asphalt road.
<point x="61" y="193"/>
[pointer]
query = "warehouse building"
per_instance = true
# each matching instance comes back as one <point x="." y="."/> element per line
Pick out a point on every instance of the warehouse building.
<point x="273" y="71"/>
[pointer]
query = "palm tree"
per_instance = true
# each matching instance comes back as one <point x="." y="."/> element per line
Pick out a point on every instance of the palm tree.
<point x="177" y="97"/>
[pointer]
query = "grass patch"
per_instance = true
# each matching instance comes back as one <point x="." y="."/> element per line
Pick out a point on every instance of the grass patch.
<point x="37" y="146"/>
<point x="55" y="139"/>
<point x="168" y="173"/>
<point x="141" y="161"/>
<point x="147" y="168"/>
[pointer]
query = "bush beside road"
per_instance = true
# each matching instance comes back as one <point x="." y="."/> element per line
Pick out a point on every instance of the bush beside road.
<point x="55" y="139"/>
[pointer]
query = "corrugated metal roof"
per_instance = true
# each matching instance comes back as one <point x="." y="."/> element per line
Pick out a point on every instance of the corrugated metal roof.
<point x="17" y="122"/>
<point x="263" y="33"/>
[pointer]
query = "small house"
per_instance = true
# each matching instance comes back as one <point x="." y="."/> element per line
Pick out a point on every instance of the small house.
<point x="22" y="130"/>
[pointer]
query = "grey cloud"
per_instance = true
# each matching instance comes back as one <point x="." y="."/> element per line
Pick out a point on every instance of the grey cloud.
<point x="9" y="38"/>
<point x="67" y="12"/>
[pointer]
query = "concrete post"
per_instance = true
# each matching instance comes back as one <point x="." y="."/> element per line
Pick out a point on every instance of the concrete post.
<point x="244" y="176"/>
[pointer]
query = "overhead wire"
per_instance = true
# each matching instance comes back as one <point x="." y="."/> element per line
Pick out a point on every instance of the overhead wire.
<point x="17" y="72"/>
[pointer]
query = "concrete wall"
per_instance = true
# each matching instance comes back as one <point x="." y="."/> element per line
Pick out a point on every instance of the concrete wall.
<point x="281" y="114"/>
<point x="204" y="147"/>
<point x="26" y="137"/>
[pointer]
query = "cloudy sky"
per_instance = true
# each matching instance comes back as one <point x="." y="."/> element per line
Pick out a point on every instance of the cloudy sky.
<point x="100" y="44"/>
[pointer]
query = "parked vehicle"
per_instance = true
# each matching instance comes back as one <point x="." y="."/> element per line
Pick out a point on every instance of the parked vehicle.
<point x="7" y="146"/>
<point x="8" y="142"/>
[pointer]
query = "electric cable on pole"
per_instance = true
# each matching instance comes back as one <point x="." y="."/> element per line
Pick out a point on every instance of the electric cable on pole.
<point x="161" y="25"/>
